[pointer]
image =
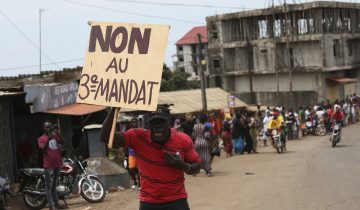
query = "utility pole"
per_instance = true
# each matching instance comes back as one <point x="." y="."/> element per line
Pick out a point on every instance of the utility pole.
<point x="289" y="63"/>
<point x="275" y="56"/>
<point x="250" y="70"/>
<point x="202" y="76"/>
<point x="40" y="12"/>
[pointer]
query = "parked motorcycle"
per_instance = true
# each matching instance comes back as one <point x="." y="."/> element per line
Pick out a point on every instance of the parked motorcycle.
<point x="73" y="179"/>
<point x="335" y="135"/>
<point x="315" y="128"/>
<point x="276" y="140"/>
<point x="4" y="192"/>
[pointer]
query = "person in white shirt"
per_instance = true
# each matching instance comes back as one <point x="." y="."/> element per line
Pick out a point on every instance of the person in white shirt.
<point x="307" y="113"/>
<point x="352" y="113"/>
<point x="320" y="115"/>
<point x="297" y="125"/>
<point x="266" y="122"/>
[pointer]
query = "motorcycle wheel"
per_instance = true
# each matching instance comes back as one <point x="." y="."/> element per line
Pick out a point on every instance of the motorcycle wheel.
<point x="34" y="201"/>
<point x="333" y="141"/>
<point x="321" y="131"/>
<point x="278" y="148"/>
<point x="94" y="194"/>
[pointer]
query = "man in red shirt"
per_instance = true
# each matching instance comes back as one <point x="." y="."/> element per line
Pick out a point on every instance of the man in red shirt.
<point x="337" y="117"/>
<point x="163" y="155"/>
<point x="49" y="143"/>
<point x="329" y="113"/>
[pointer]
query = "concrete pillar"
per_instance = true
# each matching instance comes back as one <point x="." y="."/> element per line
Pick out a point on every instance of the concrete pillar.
<point x="321" y="86"/>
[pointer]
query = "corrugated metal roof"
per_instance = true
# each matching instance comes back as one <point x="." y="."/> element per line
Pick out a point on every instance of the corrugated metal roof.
<point x="76" y="109"/>
<point x="190" y="100"/>
<point x="2" y="93"/>
<point x="191" y="36"/>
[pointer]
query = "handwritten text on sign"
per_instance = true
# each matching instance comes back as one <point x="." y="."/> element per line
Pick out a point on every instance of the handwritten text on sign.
<point x="123" y="65"/>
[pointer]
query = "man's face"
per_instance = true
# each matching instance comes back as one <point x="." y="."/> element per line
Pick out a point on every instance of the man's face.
<point x="48" y="127"/>
<point x="134" y="123"/>
<point x="338" y="110"/>
<point x="159" y="130"/>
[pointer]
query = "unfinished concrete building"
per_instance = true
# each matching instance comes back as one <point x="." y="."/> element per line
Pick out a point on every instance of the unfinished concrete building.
<point x="294" y="54"/>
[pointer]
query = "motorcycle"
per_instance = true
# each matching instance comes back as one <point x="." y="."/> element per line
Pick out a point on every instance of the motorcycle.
<point x="73" y="179"/>
<point x="315" y="128"/>
<point x="335" y="135"/>
<point x="276" y="140"/>
<point x="4" y="192"/>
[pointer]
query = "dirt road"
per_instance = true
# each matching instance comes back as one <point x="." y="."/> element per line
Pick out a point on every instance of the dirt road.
<point x="311" y="175"/>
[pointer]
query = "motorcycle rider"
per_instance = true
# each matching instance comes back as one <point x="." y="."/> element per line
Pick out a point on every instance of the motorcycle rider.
<point x="276" y="123"/>
<point x="337" y="117"/>
<point x="50" y="144"/>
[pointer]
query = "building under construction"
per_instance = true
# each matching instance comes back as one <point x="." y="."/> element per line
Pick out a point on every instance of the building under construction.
<point x="292" y="54"/>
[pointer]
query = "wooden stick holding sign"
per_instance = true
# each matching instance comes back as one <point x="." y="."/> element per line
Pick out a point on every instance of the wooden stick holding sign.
<point x="113" y="128"/>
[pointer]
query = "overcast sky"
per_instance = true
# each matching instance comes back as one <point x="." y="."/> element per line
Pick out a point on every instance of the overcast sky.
<point x="65" y="32"/>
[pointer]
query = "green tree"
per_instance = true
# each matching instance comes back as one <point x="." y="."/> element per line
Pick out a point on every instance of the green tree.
<point x="166" y="74"/>
<point x="172" y="81"/>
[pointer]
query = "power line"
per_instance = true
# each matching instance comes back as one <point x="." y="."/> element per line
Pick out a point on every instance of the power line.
<point x="131" y="13"/>
<point x="66" y="61"/>
<point x="28" y="39"/>
<point x="176" y="4"/>
<point x="46" y="64"/>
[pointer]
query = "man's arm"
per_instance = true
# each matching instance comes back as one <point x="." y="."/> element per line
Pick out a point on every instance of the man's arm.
<point x="119" y="140"/>
<point x="332" y="117"/>
<point x="43" y="145"/>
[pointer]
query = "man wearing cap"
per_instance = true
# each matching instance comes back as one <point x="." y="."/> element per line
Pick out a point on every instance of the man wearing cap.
<point x="163" y="155"/>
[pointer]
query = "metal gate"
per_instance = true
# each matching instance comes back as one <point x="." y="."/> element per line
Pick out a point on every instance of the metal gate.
<point x="7" y="156"/>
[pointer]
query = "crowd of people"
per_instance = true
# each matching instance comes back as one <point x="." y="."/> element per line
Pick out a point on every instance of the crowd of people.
<point x="158" y="155"/>
<point x="237" y="135"/>
<point x="239" y="132"/>
<point x="164" y="151"/>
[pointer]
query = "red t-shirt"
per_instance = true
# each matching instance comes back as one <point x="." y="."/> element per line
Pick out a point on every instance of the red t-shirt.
<point x="160" y="183"/>
<point x="338" y="116"/>
<point x="52" y="156"/>
<point x="214" y="130"/>
<point x="329" y="113"/>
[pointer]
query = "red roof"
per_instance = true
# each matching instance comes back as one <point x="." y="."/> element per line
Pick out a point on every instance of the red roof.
<point x="191" y="36"/>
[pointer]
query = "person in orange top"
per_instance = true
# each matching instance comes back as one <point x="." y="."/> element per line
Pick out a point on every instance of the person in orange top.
<point x="133" y="170"/>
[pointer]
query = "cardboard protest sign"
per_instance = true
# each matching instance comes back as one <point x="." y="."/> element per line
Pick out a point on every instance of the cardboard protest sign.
<point x="123" y="65"/>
